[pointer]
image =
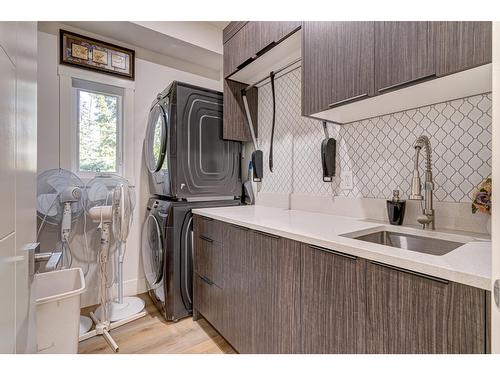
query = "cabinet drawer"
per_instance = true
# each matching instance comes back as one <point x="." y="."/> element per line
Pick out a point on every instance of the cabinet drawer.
<point x="208" y="300"/>
<point x="208" y="228"/>
<point x="208" y="259"/>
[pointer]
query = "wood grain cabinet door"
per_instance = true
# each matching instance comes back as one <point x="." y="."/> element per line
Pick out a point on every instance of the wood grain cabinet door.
<point x="236" y="300"/>
<point x="411" y="313"/>
<point x="239" y="48"/>
<point x="251" y="39"/>
<point x="332" y="302"/>
<point x="462" y="45"/>
<point x="404" y="54"/>
<point x="274" y="294"/>
<point x="337" y="64"/>
<point x="231" y="29"/>
<point x="235" y="126"/>
<point x="271" y="32"/>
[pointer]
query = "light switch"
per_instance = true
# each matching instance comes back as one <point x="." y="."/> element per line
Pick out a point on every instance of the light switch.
<point x="346" y="180"/>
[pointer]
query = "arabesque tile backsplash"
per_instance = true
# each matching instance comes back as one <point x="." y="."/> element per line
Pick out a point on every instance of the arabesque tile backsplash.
<point x="379" y="150"/>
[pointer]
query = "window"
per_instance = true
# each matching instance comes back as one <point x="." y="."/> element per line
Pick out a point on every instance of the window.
<point x="98" y="127"/>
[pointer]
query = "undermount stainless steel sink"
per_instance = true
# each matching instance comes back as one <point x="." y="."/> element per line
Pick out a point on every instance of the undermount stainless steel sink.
<point x="433" y="246"/>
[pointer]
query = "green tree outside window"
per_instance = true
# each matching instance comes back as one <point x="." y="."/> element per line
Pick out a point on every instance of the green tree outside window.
<point x="98" y="132"/>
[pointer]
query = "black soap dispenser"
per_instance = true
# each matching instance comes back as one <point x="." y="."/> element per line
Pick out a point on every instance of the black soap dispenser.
<point x="396" y="209"/>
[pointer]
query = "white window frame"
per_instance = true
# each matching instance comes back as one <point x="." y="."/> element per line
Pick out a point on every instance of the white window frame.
<point x="68" y="147"/>
<point x="119" y="128"/>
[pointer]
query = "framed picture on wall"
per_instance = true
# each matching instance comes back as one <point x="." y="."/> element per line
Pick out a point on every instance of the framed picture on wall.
<point x="93" y="54"/>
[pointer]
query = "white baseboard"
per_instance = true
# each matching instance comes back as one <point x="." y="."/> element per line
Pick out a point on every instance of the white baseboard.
<point x="130" y="288"/>
<point x="134" y="287"/>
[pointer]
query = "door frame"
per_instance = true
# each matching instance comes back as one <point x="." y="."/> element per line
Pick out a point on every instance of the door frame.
<point x="495" y="251"/>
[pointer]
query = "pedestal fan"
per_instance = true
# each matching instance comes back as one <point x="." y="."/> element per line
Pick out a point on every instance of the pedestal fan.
<point x="59" y="203"/>
<point x="110" y="203"/>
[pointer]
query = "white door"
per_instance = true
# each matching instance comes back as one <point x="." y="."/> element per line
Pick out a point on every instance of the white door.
<point x="17" y="183"/>
<point x="495" y="309"/>
<point x="7" y="199"/>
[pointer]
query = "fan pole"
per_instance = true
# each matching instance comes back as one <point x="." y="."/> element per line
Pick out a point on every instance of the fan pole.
<point x="120" y="271"/>
<point x="113" y="314"/>
<point x="102" y="324"/>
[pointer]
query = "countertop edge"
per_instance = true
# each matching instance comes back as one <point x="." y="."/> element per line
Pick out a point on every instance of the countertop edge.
<point x="426" y="269"/>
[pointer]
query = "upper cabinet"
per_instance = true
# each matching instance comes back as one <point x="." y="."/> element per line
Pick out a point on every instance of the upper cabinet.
<point x="252" y="40"/>
<point x="351" y="70"/>
<point x="357" y="70"/>
<point x="462" y="45"/>
<point x="245" y="42"/>
<point x="337" y="64"/>
<point x="404" y="54"/>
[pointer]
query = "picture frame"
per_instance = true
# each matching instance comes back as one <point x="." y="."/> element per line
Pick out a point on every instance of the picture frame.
<point x="92" y="54"/>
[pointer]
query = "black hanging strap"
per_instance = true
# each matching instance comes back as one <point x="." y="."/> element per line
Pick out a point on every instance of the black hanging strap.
<point x="271" y="76"/>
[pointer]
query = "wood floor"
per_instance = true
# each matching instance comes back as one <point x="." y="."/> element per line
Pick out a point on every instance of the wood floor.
<point x="152" y="334"/>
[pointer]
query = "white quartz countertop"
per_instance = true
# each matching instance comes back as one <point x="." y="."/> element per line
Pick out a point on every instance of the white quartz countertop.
<point x="469" y="264"/>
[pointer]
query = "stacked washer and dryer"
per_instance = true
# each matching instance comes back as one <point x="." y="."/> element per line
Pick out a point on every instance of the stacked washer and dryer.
<point x="190" y="166"/>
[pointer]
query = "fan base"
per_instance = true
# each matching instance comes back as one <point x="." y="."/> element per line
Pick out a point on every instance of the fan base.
<point x="120" y="311"/>
<point x="85" y="324"/>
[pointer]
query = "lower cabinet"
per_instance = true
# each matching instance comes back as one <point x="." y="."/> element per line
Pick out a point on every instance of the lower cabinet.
<point x="333" y="309"/>
<point x="274" y="303"/>
<point x="413" y="313"/>
<point x="261" y="292"/>
<point x="275" y="295"/>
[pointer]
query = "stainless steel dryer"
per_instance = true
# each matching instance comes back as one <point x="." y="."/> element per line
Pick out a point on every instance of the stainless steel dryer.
<point x="184" y="150"/>
<point x="167" y="254"/>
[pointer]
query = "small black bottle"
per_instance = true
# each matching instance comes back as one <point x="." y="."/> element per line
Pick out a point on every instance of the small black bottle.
<point x="396" y="209"/>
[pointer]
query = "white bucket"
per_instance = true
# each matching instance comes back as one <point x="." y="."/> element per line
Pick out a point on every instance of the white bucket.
<point x="57" y="297"/>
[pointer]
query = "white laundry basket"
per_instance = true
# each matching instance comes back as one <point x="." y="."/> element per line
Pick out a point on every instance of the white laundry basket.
<point x="57" y="296"/>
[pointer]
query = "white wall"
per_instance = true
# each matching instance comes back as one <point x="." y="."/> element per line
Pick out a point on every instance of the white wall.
<point x="150" y="79"/>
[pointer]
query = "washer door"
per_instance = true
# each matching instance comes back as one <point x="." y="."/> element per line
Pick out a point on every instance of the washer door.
<point x="152" y="252"/>
<point x="155" y="143"/>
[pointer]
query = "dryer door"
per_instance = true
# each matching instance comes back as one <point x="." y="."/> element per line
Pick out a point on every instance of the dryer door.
<point x="155" y="143"/>
<point x="187" y="261"/>
<point x="153" y="255"/>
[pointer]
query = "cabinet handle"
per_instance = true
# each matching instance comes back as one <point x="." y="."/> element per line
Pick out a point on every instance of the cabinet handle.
<point x="349" y="256"/>
<point x="433" y="278"/>
<point x="416" y="80"/>
<point x="348" y="100"/>
<point x="204" y="238"/>
<point x="206" y="280"/>
<point x="266" y="48"/>
<point x="240" y="227"/>
<point x="244" y="63"/>
<point x="207" y="218"/>
<point x="267" y="234"/>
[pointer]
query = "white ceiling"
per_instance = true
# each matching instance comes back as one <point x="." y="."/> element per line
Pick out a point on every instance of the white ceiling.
<point x="206" y="35"/>
<point x="219" y="24"/>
